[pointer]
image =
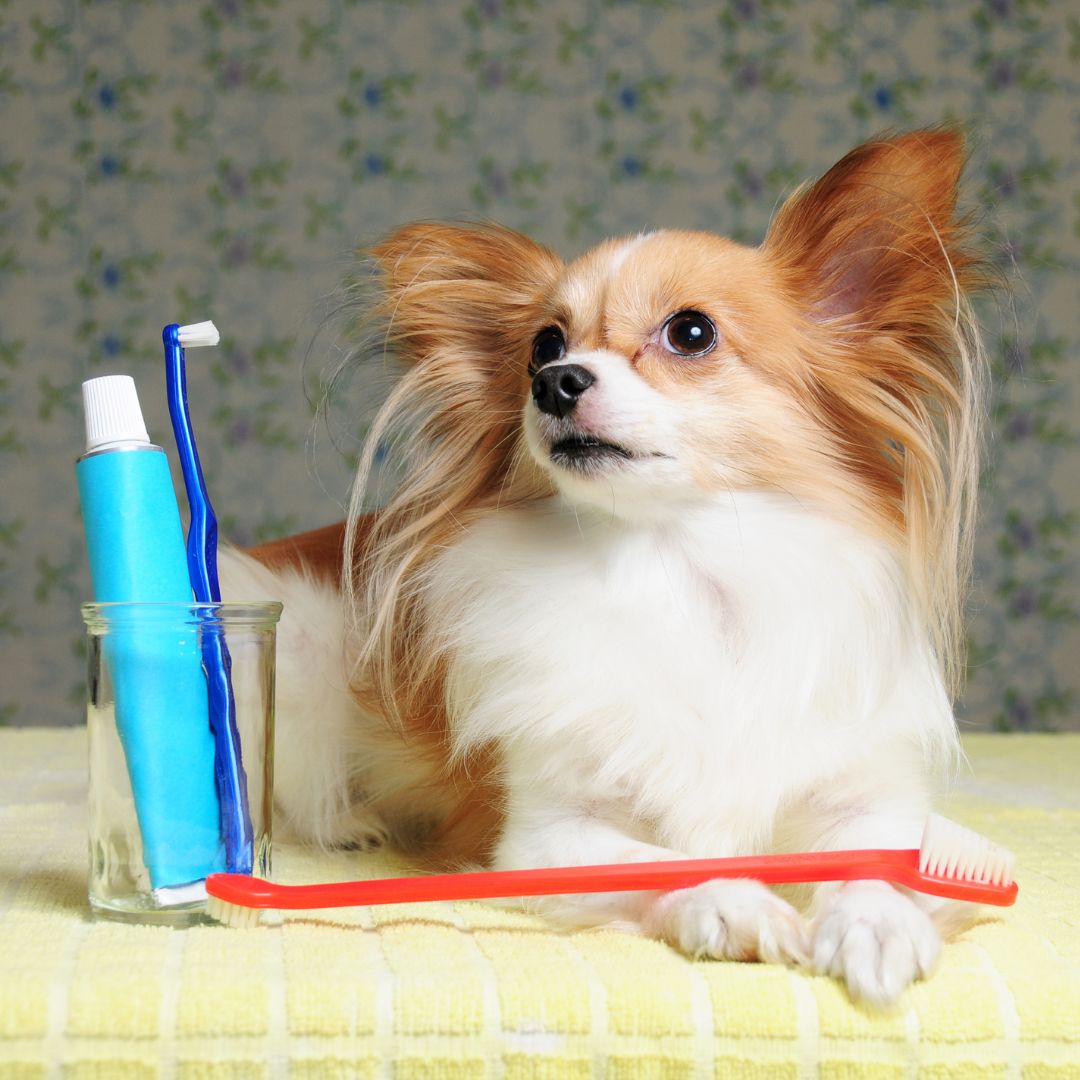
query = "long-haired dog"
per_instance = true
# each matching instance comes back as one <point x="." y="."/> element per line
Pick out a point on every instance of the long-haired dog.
<point x="675" y="570"/>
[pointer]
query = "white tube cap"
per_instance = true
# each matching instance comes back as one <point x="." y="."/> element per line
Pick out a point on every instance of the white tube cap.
<point x="113" y="413"/>
<point x="192" y="893"/>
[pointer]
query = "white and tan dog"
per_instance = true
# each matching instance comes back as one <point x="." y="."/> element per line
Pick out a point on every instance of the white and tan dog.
<point x="676" y="568"/>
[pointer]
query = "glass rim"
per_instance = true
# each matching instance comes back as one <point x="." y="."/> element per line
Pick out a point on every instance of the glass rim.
<point x="227" y="611"/>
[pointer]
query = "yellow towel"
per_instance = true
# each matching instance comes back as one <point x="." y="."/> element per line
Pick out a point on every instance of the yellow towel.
<point x="456" y="991"/>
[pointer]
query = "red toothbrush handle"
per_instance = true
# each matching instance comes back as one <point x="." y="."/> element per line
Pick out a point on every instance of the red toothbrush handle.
<point x="900" y="866"/>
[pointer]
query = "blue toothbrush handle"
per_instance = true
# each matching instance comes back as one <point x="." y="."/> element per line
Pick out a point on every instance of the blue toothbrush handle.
<point x="236" y="825"/>
<point x="202" y="539"/>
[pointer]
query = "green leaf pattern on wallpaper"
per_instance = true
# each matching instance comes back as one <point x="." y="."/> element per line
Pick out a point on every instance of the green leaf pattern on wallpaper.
<point x="165" y="162"/>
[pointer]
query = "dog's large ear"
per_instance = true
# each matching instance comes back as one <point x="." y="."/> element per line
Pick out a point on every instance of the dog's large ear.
<point x="459" y="309"/>
<point x="876" y="256"/>
<point x="875" y="242"/>
<point x="461" y="291"/>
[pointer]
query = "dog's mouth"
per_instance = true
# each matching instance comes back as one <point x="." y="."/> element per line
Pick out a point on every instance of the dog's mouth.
<point x="586" y="451"/>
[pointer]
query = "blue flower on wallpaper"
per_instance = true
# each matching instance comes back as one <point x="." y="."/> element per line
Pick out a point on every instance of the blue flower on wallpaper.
<point x="228" y="9"/>
<point x="1000" y="74"/>
<point x="1021" y="532"/>
<point x="1019" y="713"/>
<point x="237" y="362"/>
<point x="235" y="252"/>
<point x="232" y="74"/>
<point x="234" y="181"/>
<point x="748" y="76"/>
<point x="1019" y="427"/>
<point x="493" y="75"/>
<point x="239" y="431"/>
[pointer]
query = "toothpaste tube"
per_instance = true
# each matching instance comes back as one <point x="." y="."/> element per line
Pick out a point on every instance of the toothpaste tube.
<point x="135" y="544"/>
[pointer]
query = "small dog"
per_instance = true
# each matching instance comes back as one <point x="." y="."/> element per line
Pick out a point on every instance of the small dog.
<point x="676" y="568"/>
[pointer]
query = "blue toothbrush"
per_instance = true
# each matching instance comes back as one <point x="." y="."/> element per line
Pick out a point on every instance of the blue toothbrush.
<point x="229" y="773"/>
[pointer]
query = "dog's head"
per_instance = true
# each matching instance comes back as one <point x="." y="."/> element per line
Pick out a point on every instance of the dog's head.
<point x="834" y="362"/>
<point x="672" y="366"/>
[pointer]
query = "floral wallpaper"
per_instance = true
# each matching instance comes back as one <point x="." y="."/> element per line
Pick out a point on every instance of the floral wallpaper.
<point x="179" y="161"/>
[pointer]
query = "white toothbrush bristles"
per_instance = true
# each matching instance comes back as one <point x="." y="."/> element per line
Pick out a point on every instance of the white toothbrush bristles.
<point x="950" y="850"/>
<point x="234" y="915"/>
<point x="196" y="335"/>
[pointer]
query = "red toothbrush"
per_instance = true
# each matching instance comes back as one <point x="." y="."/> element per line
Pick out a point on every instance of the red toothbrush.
<point x="951" y="861"/>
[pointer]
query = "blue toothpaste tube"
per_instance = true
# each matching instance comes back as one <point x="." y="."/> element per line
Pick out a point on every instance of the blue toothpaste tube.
<point x="135" y="545"/>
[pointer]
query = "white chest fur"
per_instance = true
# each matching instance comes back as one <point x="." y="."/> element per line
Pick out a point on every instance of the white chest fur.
<point x="695" y="677"/>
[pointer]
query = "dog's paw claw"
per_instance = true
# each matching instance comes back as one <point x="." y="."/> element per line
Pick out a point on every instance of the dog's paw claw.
<point x="731" y="920"/>
<point x="876" y="941"/>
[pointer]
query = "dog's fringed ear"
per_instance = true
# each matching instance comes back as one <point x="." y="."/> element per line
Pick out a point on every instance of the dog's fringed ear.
<point x="459" y="309"/>
<point x="466" y="290"/>
<point x="876" y="238"/>
<point x="876" y="257"/>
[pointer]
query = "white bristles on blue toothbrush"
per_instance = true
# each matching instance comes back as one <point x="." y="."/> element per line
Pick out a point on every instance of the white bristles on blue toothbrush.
<point x="197" y="335"/>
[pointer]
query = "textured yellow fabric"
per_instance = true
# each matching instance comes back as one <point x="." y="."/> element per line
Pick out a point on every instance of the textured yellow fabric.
<point x="463" y="991"/>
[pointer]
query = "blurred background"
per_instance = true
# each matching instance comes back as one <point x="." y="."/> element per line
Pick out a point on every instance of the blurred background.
<point x="165" y="162"/>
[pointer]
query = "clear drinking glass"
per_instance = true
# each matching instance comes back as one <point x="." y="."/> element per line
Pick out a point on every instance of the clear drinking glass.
<point x="152" y="654"/>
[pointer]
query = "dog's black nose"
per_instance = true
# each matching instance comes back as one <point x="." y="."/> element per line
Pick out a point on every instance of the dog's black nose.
<point x="556" y="388"/>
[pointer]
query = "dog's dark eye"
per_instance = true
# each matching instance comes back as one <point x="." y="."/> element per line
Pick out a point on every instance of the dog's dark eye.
<point x="548" y="346"/>
<point x="688" y="333"/>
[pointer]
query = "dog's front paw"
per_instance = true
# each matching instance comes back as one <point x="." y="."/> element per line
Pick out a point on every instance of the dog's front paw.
<point x="876" y="940"/>
<point x="730" y="920"/>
